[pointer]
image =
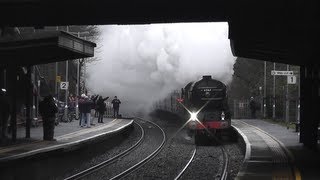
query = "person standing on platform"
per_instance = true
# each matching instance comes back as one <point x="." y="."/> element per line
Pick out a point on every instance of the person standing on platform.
<point x="81" y="109"/>
<point x="72" y="103"/>
<point x="101" y="108"/>
<point x="4" y="114"/>
<point x="86" y="116"/>
<point x="48" y="109"/>
<point x="93" y="99"/>
<point x="116" y="105"/>
<point x="253" y="108"/>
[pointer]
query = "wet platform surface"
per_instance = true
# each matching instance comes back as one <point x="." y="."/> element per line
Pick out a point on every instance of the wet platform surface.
<point x="68" y="136"/>
<point x="274" y="152"/>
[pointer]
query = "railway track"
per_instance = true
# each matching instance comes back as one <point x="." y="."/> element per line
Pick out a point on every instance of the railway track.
<point x="222" y="173"/>
<point x="101" y="167"/>
<point x="145" y="160"/>
<point x="187" y="165"/>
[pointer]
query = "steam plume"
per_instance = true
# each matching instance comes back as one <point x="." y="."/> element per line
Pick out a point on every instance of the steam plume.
<point x="144" y="63"/>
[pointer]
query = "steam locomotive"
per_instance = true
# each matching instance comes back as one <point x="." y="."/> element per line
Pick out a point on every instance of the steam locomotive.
<point x="205" y="102"/>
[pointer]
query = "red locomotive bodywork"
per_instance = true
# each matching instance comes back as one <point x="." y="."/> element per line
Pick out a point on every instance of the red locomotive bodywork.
<point x="212" y="125"/>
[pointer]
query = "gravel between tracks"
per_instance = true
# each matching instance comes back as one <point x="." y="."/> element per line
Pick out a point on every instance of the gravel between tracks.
<point x="173" y="157"/>
<point x="236" y="157"/>
<point x="207" y="164"/>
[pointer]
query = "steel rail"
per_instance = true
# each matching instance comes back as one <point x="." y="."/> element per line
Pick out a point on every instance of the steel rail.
<point x="94" y="168"/>
<point x="224" y="174"/>
<point x="145" y="160"/>
<point x="187" y="165"/>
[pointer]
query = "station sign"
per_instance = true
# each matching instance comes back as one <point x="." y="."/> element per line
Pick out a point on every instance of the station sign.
<point x="281" y="73"/>
<point x="64" y="85"/>
<point x="292" y="79"/>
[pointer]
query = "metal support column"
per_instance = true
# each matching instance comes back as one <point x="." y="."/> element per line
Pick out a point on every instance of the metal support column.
<point x="38" y="97"/>
<point x="274" y="94"/>
<point x="56" y="82"/>
<point x="33" y="76"/>
<point x="265" y="90"/>
<point x="66" y="94"/>
<point x="287" y="99"/>
<point x="78" y="85"/>
<point x="13" y="94"/>
<point x="299" y="96"/>
<point x="28" y="102"/>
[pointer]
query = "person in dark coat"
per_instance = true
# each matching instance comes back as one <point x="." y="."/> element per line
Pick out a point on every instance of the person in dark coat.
<point x="4" y="114"/>
<point x="116" y="105"/>
<point x="81" y="109"/>
<point x="94" y="99"/>
<point x="87" y="105"/>
<point x="101" y="108"/>
<point x="48" y="109"/>
<point x="253" y="108"/>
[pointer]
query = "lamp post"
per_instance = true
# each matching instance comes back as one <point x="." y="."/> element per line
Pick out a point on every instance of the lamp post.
<point x="287" y="99"/>
<point x="56" y="85"/>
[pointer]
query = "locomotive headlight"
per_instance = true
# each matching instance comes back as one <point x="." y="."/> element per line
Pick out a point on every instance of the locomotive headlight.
<point x="193" y="116"/>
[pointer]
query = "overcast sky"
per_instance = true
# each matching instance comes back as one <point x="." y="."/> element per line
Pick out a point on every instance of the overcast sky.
<point x="144" y="63"/>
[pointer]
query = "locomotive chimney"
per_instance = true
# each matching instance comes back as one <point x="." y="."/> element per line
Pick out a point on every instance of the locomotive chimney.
<point x="206" y="77"/>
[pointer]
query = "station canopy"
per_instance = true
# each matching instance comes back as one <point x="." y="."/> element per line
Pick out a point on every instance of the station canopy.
<point x="43" y="47"/>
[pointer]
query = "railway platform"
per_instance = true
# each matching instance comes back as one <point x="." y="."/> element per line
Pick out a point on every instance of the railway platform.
<point x="274" y="152"/>
<point x="69" y="136"/>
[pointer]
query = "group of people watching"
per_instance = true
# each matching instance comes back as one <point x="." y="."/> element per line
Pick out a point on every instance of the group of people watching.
<point x="88" y="107"/>
<point x="48" y="108"/>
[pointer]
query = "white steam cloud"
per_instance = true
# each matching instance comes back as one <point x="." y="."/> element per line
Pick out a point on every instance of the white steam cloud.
<point x="144" y="63"/>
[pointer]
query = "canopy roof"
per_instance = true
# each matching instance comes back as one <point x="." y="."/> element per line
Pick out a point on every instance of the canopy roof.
<point x="43" y="47"/>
